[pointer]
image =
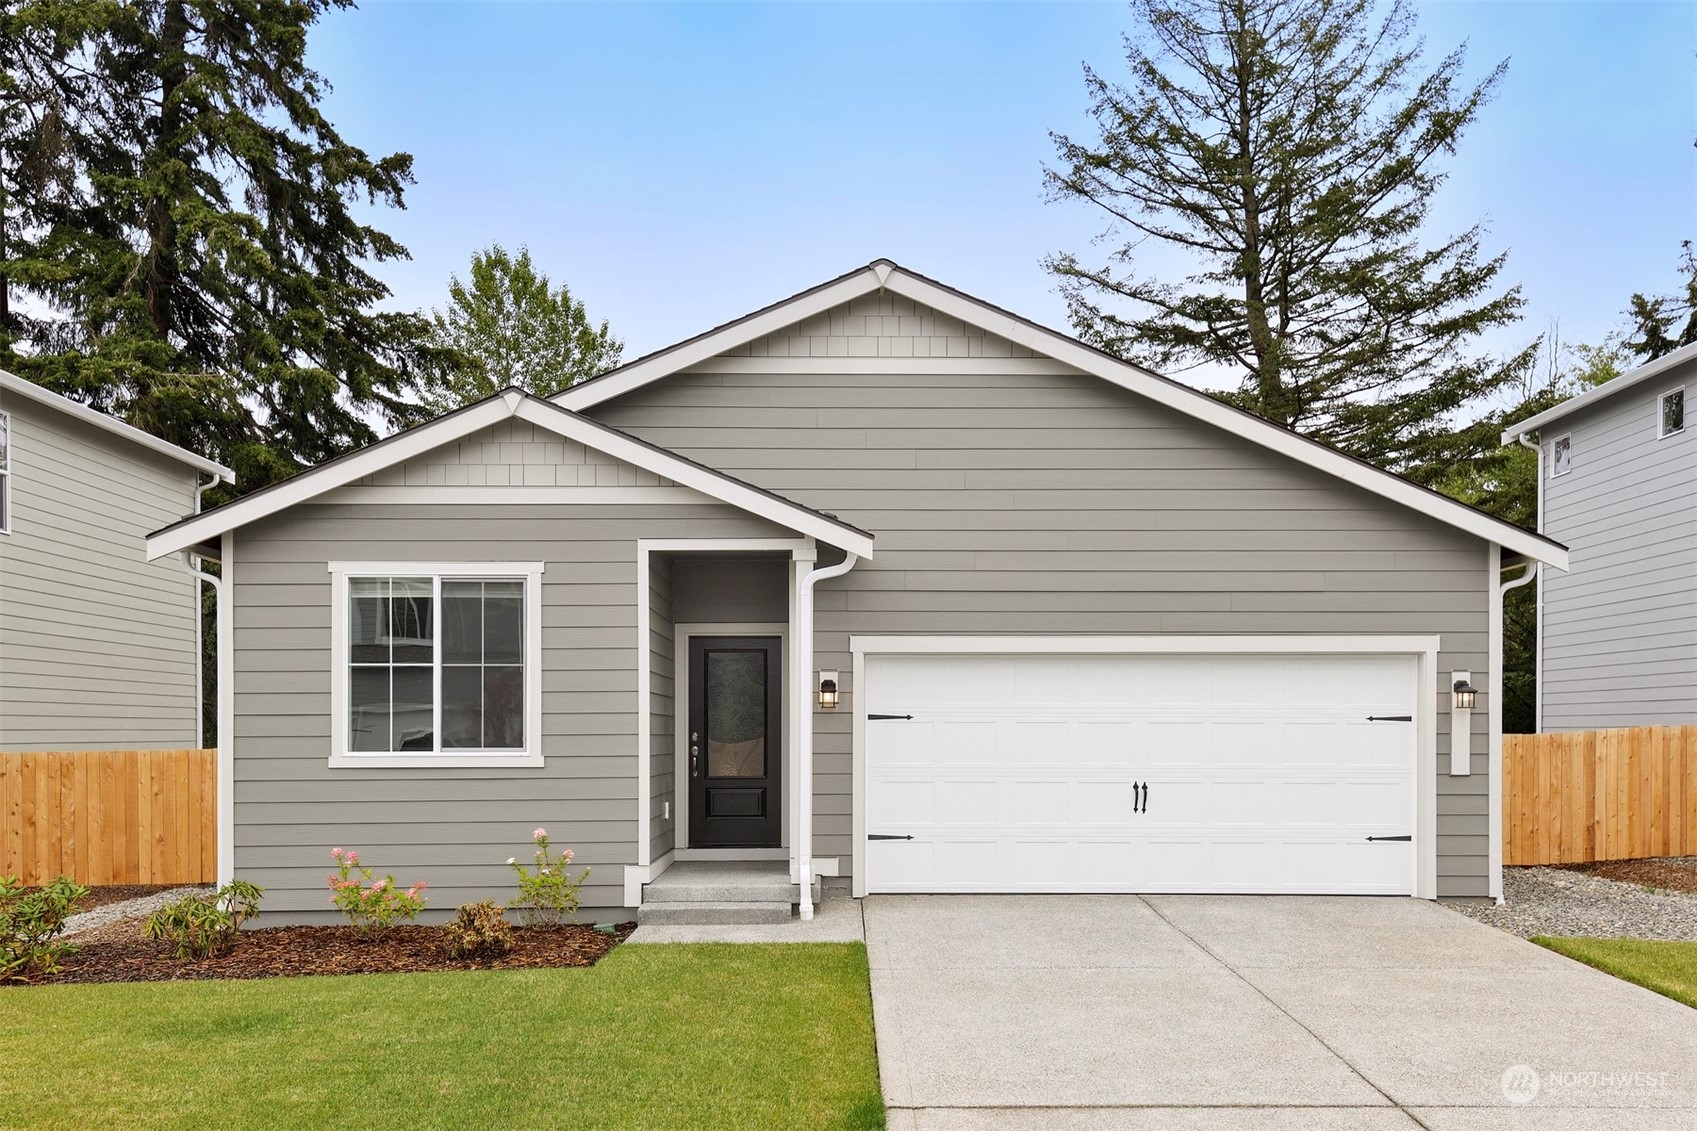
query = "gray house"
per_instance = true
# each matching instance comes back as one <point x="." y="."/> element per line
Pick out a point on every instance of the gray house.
<point x="99" y="647"/>
<point x="882" y="585"/>
<point x="1617" y="475"/>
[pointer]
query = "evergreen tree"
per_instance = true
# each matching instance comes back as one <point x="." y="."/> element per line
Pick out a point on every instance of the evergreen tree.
<point x="1290" y="149"/>
<point x="1666" y="322"/>
<point x="508" y="326"/>
<point x="205" y="277"/>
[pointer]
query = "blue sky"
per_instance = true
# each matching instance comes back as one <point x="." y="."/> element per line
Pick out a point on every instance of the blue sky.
<point x="680" y="165"/>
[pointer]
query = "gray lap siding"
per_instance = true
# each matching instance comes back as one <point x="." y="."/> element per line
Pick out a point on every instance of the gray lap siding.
<point x="1046" y="501"/>
<point x="453" y="827"/>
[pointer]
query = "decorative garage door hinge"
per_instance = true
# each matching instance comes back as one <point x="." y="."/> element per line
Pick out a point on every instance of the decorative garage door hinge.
<point x="875" y="718"/>
<point x="887" y="836"/>
<point x="1390" y="838"/>
<point x="1390" y="718"/>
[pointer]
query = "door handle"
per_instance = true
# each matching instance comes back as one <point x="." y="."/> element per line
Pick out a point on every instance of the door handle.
<point x="695" y="761"/>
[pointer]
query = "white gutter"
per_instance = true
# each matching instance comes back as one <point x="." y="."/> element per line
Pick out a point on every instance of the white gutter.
<point x="226" y="717"/>
<point x="801" y="633"/>
<point x="1494" y="797"/>
<point x="200" y="490"/>
<point x="1538" y="644"/>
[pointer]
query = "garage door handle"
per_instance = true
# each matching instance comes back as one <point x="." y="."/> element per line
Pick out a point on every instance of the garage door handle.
<point x="1390" y="838"/>
<point x="887" y="836"/>
<point x="1139" y="805"/>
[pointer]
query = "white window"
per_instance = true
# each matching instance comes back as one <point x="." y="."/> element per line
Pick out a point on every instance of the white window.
<point x="5" y="473"/>
<point x="1670" y="420"/>
<point x="1561" y="456"/>
<point x="436" y="664"/>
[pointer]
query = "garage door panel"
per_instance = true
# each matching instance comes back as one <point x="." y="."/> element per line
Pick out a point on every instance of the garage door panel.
<point x="1263" y="775"/>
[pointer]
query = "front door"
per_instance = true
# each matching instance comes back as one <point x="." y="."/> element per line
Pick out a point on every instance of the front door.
<point x="735" y="752"/>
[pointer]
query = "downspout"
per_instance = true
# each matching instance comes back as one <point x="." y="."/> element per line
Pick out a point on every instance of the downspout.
<point x="1494" y="802"/>
<point x="1538" y="644"/>
<point x="200" y="490"/>
<point x="802" y="631"/>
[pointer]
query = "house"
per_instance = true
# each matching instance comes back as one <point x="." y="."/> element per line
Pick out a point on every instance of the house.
<point x="880" y="584"/>
<point x="99" y="647"/>
<point x="1617" y="481"/>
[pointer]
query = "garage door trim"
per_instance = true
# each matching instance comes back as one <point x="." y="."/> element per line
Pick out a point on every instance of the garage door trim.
<point x="1423" y="648"/>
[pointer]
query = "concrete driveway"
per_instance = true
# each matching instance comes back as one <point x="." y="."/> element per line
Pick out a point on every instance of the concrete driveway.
<point x="1096" y="1012"/>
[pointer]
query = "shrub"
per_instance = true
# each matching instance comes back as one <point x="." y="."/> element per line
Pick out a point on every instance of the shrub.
<point x="479" y="931"/>
<point x="29" y="924"/>
<point x="199" y="926"/>
<point x="548" y="895"/>
<point x="372" y="906"/>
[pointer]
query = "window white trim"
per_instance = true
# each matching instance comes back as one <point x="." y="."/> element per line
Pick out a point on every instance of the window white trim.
<point x="1556" y="468"/>
<point x="6" y="474"/>
<point x="341" y="671"/>
<point x="1662" y="432"/>
<point x="1423" y="648"/>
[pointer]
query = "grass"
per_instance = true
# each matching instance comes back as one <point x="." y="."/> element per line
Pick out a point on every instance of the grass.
<point x="685" y="1036"/>
<point x="1669" y="968"/>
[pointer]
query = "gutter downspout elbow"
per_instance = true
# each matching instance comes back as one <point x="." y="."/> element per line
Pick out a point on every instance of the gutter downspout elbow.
<point x="803" y="645"/>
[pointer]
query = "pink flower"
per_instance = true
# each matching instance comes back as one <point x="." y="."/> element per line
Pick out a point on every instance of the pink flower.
<point x="336" y="852"/>
<point x="378" y="886"/>
<point x="566" y="855"/>
<point x="539" y="834"/>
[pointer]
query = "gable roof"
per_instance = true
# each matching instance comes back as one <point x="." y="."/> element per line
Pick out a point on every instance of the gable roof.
<point x="883" y="274"/>
<point x="402" y="446"/>
<point x="1609" y="388"/>
<point x="12" y="383"/>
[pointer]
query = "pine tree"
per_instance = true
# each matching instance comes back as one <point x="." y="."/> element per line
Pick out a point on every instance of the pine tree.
<point x="207" y="278"/>
<point x="1664" y="323"/>
<point x="509" y="326"/>
<point x="1290" y="149"/>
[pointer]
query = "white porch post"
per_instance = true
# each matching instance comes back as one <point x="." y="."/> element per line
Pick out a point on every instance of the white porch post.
<point x="799" y="711"/>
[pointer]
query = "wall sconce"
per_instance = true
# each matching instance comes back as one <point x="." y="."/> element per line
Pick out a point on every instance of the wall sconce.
<point x="1462" y="697"/>
<point x="827" y="691"/>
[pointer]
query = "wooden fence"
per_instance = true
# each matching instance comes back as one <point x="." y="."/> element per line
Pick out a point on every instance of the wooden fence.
<point x="109" y="816"/>
<point x="1599" y="795"/>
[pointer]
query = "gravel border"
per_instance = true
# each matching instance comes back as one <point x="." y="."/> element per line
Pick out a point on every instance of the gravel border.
<point x="1557" y="901"/>
<point x="128" y="909"/>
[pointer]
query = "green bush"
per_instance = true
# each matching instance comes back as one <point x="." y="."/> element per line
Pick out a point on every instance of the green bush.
<point x="29" y="924"/>
<point x="480" y="932"/>
<point x="549" y="895"/>
<point x="199" y="926"/>
<point x="372" y="905"/>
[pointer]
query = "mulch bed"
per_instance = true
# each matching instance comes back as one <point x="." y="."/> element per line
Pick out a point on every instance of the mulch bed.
<point x="118" y="953"/>
<point x="1676" y="873"/>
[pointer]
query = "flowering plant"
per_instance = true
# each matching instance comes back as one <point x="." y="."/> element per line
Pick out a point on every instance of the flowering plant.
<point x="373" y="906"/>
<point x="549" y="894"/>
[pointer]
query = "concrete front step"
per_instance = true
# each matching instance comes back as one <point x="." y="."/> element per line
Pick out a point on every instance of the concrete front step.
<point x="698" y="913"/>
<point x="725" y="882"/>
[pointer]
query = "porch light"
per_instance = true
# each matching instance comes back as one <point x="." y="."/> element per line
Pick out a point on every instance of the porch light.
<point x="1464" y="695"/>
<point x="828" y="691"/>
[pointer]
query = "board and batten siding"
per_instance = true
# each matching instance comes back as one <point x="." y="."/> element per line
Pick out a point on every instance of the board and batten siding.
<point x="453" y="827"/>
<point x="97" y="644"/>
<point x="1018" y="495"/>
<point x="1620" y="627"/>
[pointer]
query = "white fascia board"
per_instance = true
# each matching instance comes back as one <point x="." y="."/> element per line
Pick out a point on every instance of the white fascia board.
<point x="407" y="445"/>
<point x="792" y="516"/>
<point x="682" y="356"/>
<point x="1242" y="424"/>
<point x="1058" y="346"/>
<point x="12" y="383"/>
<point x="327" y="477"/>
<point x="1146" y="645"/>
<point x="1602" y="392"/>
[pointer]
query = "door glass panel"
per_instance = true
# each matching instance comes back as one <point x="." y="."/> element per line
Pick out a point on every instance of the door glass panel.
<point x="736" y="714"/>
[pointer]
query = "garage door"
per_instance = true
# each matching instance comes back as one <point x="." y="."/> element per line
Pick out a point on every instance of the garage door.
<point x="1120" y="773"/>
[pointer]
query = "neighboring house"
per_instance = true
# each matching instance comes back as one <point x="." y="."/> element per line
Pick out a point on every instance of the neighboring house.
<point x="1617" y="476"/>
<point x="99" y="647"/>
<point x="950" y="600"/>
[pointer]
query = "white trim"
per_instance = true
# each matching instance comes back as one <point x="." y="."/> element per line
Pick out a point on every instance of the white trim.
<point x="340" y="669"/>
<point x="681" y="635"/>
<point x="403" y="446"/>
<point x="6" y="474"/>
<point x="1461" y="731"/>
<point x="1556" y="469"/>
<point x="12" y="383"/>
<point x="1661" y="414"/>
<point x="716" y="545"/>
<point x="1423" y="648"/>
<point x="888" y="366"/>
<point x="511" y="496"/>
<point x="1607" y="389"/>
<point x="1074" y="353"/>
<point x="638" y="874"/>
<point x="226" y="784"/>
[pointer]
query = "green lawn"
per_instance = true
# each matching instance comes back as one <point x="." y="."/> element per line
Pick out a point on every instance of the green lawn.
<point x="705" y="1036"/>
<point x="1669" y="968"/>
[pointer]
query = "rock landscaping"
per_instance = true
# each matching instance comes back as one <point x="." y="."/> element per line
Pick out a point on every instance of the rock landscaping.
<point x="1588" y="901"/>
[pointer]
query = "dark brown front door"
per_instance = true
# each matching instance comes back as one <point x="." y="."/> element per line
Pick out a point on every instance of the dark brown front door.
<point x="735" y="753"/>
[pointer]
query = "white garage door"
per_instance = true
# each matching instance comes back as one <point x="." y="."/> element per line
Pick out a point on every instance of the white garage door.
<point x="1116" y="773"/>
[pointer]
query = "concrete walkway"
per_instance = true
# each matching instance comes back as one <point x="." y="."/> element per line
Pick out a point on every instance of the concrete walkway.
<point x="1083" y="1013"/>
